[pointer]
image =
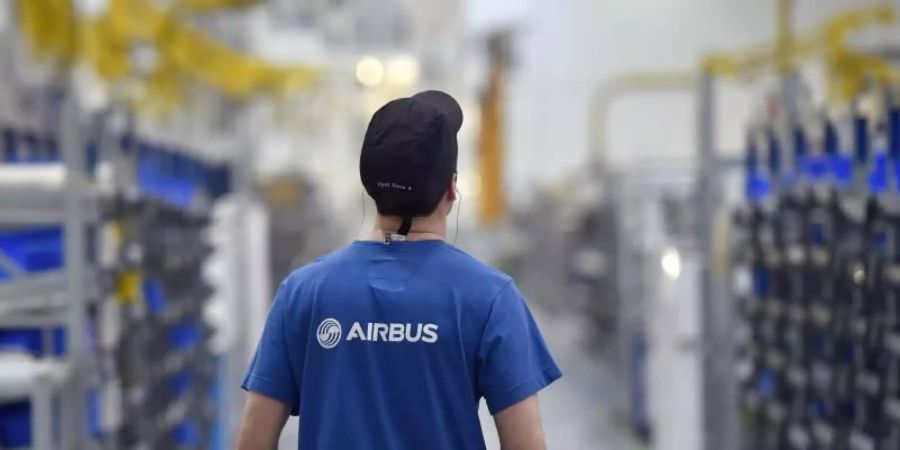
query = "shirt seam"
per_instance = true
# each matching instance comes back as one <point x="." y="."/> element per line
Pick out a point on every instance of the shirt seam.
<point x="543" y="378"/>
<point x="491" y="312"/>
<point x="543" y="372"/>
<point x="263" y="378"/>
<point x="266" y="386"/>
<point x="284" y="335"/>
<point x="484" y="325"/>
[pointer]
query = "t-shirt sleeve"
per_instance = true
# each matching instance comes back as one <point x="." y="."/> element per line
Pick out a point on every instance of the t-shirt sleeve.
<point x="270" y="372"/>
<point x="513" y="360"/>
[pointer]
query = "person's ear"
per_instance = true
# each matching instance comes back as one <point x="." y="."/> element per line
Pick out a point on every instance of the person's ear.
<point x="452" y="191"/>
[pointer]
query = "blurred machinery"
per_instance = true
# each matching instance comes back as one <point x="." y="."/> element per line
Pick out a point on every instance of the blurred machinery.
<point x="811" y="336"/>
<point x="813" y="252"/>
<point x="817" y="254"/>
<point x="588" y="218"/>
<point x="103" y="244"/>
<point x="300" y="227"/>
<point x="813" y="255"/>
<point x="658" y="330"/>
<point x="106" y="224"/>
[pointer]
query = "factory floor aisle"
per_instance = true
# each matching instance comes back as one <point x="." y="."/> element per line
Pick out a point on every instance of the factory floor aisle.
<point x="577" y="408"/>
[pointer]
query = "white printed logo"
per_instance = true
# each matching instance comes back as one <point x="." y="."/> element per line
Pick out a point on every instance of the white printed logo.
<point x="394" y="332"/>
<point x="329" y="333"/>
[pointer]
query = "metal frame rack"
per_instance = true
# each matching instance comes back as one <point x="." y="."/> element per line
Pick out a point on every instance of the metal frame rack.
<point x="719" y="310"/>
<point x="810" y="337"/>
<point x="78" y="386"/>
<point x="818" y="243"/>
<point x="653" y="227"/>
<point x="58" y="297"/>
<point x="133" y="252"/>
<point x="718" y="316"/>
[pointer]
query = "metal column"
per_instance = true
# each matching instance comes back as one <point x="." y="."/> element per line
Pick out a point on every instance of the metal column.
<point x="74" y="398"/>
<point x="41" y="414"/>
<point x="720" y="406"/>
<point x="238" y="356"/>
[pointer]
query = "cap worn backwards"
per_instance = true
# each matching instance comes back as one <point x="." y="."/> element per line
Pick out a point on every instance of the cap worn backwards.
<point x="409" y="153"/>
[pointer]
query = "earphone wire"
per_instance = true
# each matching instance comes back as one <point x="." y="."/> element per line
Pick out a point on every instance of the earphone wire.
<point x="458" y="207"/>
<point x="362" y="221"/>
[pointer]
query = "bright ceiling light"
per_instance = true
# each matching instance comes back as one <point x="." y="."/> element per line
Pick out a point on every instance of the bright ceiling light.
<point x="369" y="71"/>
<point x="91" y="8"/>
<point x="403" y="70"/>
<point x="671" y="263"/>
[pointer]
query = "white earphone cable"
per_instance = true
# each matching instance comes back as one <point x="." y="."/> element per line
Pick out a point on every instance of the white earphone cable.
<point x="362" y="220"/>
<point x="458" y="207"/>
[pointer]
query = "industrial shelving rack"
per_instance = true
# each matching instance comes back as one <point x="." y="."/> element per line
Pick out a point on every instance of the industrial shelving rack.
<point x="77" y="399"/>
<point x="85" y="204"/>
<point x="53" y="298"/>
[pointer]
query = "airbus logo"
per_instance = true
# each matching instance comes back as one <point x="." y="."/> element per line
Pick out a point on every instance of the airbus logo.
<point x="329" y="332"/>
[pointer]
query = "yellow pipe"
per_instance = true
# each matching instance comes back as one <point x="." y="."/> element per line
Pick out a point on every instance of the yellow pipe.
<point x="215" y="5"/>
<point x="849" y="70"/>
<point x="492" y="201"/>
<point x="785" y="38"/>
<point x="752" y="60"/>
<point x="837" y="29"/>
<point x="609" y="93"/>
<point x="105" y="42"/>
<point x="829" y="39"/>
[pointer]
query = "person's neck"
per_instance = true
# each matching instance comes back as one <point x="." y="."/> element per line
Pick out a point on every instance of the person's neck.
<point x="423" y="228"/>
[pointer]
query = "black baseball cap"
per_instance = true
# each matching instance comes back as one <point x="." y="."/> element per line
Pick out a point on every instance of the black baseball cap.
<point x="409" y="153"/>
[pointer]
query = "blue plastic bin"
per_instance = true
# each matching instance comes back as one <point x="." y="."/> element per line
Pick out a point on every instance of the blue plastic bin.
<point x="30" y="340"/>
<point x="35" y="249"/>
<point x="186" y="433"/>
<point x="15" y="425"/>
<point x="180" y="383"/>
<point x="184" y="335"/>
<point x="154" y="296"/>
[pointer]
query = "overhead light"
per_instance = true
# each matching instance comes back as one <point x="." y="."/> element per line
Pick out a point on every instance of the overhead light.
<point x="91" y="8"/>
<point x="403" y="70"/>
<point x="671" y="263"/>
<point x="369" y="71"/>
<point x="469" y="184"/>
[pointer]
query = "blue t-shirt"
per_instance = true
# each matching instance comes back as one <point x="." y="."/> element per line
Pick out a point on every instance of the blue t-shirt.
<point x="391" y="347"/>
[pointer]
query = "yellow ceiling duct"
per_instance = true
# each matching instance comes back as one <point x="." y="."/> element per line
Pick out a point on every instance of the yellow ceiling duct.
<point x="50" y="25"/>
<point x="183" y="53"/>
<point x="848" y="69"/>
<point x="212" y="5"/>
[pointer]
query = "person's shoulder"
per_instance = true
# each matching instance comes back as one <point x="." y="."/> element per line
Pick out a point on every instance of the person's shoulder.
<point x="462" y="264"/>
<point x="315" y="268"/>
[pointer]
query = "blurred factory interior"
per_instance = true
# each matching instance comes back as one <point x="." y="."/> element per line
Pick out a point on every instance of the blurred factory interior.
<point x="698" y="198"/>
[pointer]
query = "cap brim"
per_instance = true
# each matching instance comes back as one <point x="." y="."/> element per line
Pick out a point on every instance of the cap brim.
<point x="444" y="103"/>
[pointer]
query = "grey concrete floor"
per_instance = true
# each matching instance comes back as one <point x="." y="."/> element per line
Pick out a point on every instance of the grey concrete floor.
<point x="577" y="410"/>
